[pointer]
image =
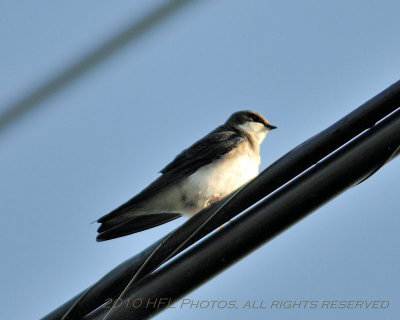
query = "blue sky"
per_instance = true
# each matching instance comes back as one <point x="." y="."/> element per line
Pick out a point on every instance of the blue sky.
<point x="99" y="141"/>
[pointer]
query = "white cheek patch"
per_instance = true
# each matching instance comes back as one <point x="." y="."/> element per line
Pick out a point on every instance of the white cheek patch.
<point x="256" y="129"/>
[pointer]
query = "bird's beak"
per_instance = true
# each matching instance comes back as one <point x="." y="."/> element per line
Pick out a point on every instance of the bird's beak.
<point x="271" y="127"/>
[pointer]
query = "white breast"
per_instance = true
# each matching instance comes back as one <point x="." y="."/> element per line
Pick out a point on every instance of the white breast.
<point x="212" y="181"/>
<point x="221" y="177"/>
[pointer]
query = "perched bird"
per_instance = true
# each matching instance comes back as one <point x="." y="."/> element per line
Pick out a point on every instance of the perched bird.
<point x="207" y="171"/>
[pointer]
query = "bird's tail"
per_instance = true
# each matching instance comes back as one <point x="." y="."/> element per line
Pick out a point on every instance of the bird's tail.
<point x="118" y="226"/>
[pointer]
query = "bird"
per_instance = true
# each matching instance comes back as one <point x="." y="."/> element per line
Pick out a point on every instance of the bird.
<point x="208" y="170"/>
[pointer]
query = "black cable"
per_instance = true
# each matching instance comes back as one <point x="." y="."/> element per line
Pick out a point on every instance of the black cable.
<point x="341" y="170"/>
<point x="281" y="171"/>
<point x="112" y="279"/>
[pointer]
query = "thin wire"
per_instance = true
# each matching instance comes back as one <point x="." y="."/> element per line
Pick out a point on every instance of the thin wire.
<point x="32" y="99"/>
<point x="176" y="251"/>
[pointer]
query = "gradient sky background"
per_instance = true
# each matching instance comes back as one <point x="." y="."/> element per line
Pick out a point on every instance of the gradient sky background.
<point x="302" y="64"/>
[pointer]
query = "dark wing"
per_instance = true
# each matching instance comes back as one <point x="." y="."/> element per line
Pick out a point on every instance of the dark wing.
<point x="210" y="148"/>
<point x="206" y="150"/>
<point x="117" y="227"/>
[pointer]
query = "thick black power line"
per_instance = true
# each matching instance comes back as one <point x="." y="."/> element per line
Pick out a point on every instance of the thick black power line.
<point x="127" y="268"/>
<point x="341" y="170"/>
<point x="133" y="32"/>
<point x="286" y="168"/>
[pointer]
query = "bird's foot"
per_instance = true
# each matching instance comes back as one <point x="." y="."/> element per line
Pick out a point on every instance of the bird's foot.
<point x="215" y="199"/>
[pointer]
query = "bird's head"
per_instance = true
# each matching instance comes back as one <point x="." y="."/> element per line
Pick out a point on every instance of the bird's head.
<point x="251" y="123"/>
